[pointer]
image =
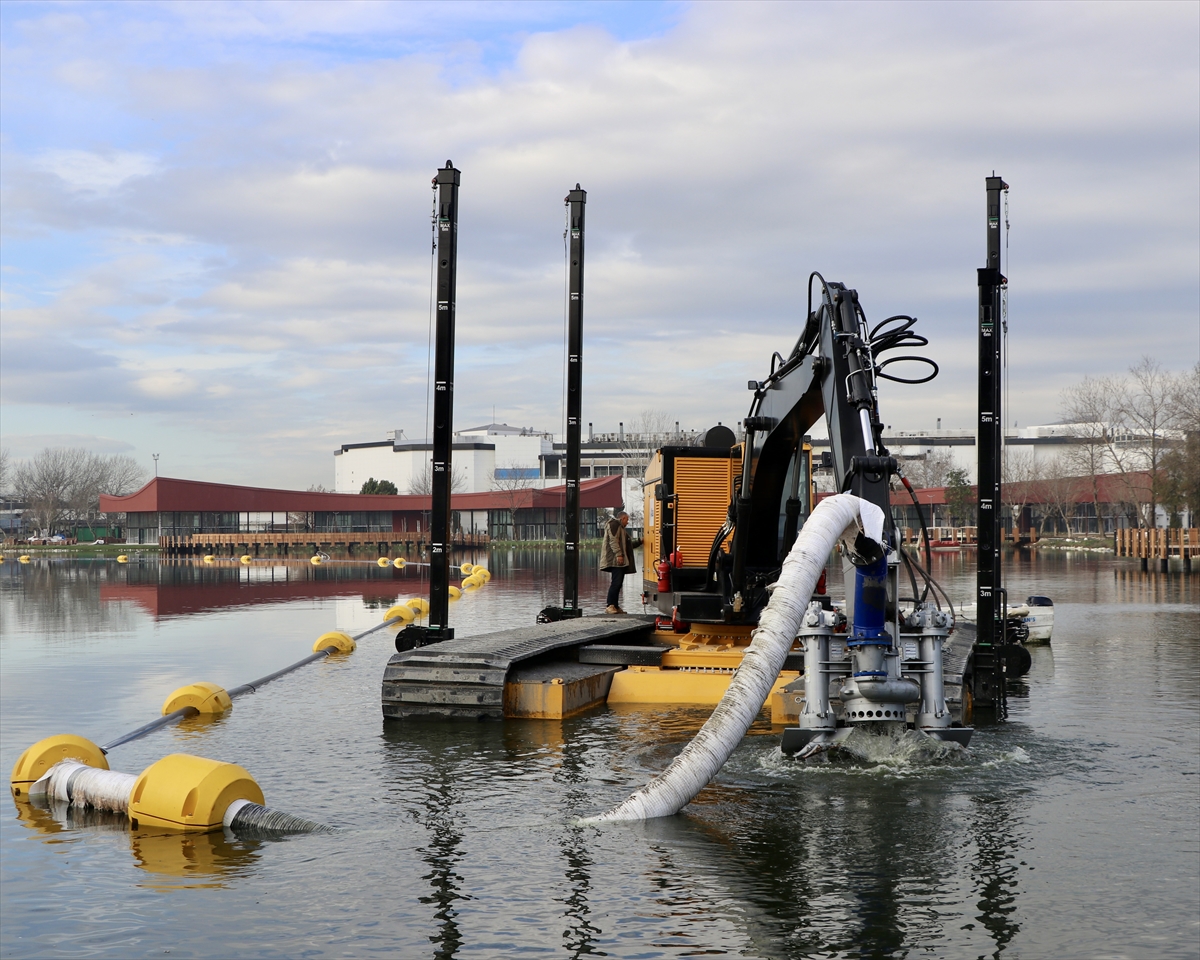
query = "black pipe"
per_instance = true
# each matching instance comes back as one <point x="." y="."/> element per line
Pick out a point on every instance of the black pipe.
<point x="150" y="727"/>
<point x="575" y="200"/>
<point x="237" y="691"/>
<point x="447" y="181"/>
<point x="990" y="426"/>
<point x="988" y="672"/>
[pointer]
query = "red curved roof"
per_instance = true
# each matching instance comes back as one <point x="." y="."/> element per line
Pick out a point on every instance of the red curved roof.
<point x="164" y="494"/>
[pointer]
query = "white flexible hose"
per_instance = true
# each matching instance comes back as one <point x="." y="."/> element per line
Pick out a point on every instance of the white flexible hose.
<point x="82" y="786"/>
<point x="689" y="772"/>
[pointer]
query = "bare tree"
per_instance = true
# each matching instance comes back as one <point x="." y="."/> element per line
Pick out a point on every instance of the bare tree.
<point x="650" y="430"/>
<point x="1146" y="408"/>
<point x="1185" y="401"/>
<point x="512" y="483"/>
<point x="61" y="484"/>
<point x="928" y="469"/>
<point x="1022" y="473"/>
<point x="44" y="483"/>
<point x="1181" y="462"/>
<point x="115" y="475"/>
<point x="5" y="477"/>
<point x="422" y="484"/>
<point x="1093" y="409"/>
<point x="1060" y="491"/>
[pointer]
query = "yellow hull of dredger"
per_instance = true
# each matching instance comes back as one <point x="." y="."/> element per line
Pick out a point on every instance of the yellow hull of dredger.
<point x="697" y="672"/>
<point x="658" y="685"/>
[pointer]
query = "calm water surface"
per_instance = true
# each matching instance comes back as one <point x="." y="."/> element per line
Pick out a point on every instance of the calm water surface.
<point x="1071" y="830"/>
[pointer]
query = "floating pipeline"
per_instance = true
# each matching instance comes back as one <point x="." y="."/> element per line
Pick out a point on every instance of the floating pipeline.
<point x="179" y="794"/>
<point x="210" y="699"/>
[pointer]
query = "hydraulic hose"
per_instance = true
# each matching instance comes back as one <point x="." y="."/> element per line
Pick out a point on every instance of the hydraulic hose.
<point x="834" y="518"/>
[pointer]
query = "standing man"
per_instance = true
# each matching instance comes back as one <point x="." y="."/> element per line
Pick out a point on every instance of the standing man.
<point x="617" y="556"/>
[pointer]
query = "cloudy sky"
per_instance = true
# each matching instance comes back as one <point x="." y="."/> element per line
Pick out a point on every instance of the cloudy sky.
<point x="216" y="215"/>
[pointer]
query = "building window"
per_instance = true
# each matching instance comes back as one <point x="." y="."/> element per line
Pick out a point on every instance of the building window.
<point x="354" y="521"/>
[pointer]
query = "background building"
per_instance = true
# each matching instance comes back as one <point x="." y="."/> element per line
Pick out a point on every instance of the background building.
<point x="485" y="457"/>
<point x="166" y="507"/>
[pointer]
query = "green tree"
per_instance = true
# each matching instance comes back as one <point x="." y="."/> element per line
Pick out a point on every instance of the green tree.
<point x="959" y="496"/>
<point x="379" y="487"/>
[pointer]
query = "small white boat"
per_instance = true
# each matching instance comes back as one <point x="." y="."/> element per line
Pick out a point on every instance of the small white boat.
<point x="1036" y="614"/>
<point x="1039" y="619"/>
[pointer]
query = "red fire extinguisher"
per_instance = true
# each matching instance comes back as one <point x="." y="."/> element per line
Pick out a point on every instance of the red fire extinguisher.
<point x="663" y="569"/>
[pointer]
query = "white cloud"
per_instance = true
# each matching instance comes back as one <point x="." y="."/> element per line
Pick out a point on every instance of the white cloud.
<point x="263" y="271"/>
<point x="100" y="173"/>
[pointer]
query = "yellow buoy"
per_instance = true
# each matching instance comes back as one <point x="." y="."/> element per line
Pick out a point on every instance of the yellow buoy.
<point x="209" y="558"/>
<point x="246" y="558"/>
<point x="406" y="614"/>
<point x="467" y="568"/>
<point x="384" y="562"/>
<point x="455" y="593"/>
<point x="419" y="605"/>
<point x="188" y="794"/>
<point x="122" y="559"/>
<point x="472" y="583"/>
<point x="315" y="561"/>
<point x="341" y="642"/>
<point x="207" y="699"/>
<point x="36" y="761"/>
<point x="23" y="558"/>
<point x="398" y="563"/>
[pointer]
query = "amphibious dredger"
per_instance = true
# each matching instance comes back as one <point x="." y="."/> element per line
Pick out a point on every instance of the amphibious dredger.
<point x="878" y="658"/>
<point x="719" y="519"/>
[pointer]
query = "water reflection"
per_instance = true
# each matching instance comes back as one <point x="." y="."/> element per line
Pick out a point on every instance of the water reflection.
<point x="575" y="775"/>
<point x="995" y="870"/>
<point x="190" y="861"/>
<point x="1139" y="586"/>
<point x="51" y="818"/>
<point x="174" y="588"/>
<point x="481" y="853"/>
<point x="436" y="809"/>
<point x="868" y="858"/>
<point x="58" y="599"/>
<point x="177" y="861"/>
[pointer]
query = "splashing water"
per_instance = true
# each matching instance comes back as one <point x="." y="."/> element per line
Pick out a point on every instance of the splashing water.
<point x="897" y="747"/>
<point x="886" y="750"/>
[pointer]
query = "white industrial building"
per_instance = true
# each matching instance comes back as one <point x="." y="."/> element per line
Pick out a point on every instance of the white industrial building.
<point x="483" y="458"/>
<point x="498" y="456"/>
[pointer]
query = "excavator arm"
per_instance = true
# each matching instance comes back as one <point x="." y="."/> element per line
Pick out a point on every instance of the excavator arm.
<point x="831" y="372"/>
